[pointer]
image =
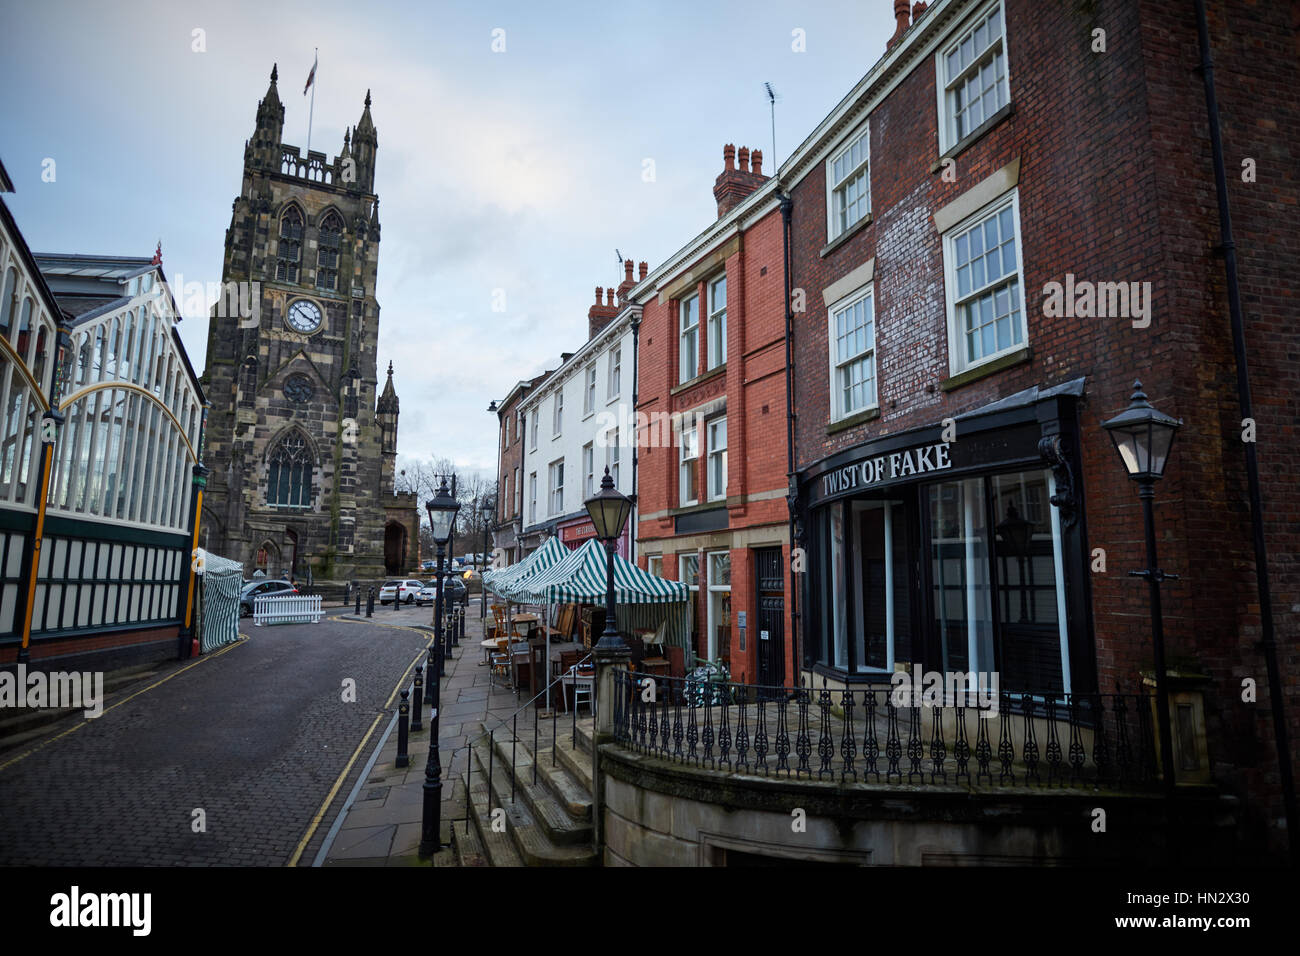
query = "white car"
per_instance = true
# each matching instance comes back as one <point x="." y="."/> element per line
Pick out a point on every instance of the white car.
<point x="403" y="590"/>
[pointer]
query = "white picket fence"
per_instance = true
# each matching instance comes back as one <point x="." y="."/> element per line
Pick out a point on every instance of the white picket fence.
<point x="286" y="609"/>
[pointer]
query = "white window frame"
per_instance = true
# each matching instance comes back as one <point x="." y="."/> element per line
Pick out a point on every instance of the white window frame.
<point x="557" y="416"/>
<point x="615" y="385"/>
<point x="838" y="410"/>
<point x="517" y="503"/>
<point x="713" y="452"/>
<point x="956" y="338"/>
<point x="589" y="390"/>
<point x="613" y="452"/>
<point x="711" y="639"/>
<point x="533" y="429"/>
<point x="716" y="343"/>
<point x="654" y="564"/>
<point x="946" y="87"/>
<point x="588" y="470"/>
<point x="834" y="186"/>
<point x="685" y="374"/>
<point x="554" y="489"/>
<point x="682" y="465"/>
<point x="532" y="498"/>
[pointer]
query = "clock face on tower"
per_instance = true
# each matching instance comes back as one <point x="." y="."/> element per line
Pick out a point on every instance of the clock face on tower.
<point x="303" y="316"/>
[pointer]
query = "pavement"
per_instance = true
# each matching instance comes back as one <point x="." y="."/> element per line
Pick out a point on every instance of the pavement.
<point x="380" y="822"/>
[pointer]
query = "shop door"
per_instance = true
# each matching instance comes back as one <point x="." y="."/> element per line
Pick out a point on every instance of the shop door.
<point x="770" y="572"/>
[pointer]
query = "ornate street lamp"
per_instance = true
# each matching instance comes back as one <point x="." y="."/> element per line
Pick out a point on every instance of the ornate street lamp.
<point x="1143" y="437"/>
<point x="609" y="510"/>
<point x="442" y="514"/>
<point x="1017" y="535"/>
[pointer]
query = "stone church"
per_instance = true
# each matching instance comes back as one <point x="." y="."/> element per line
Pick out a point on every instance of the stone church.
<point x="300" y="443"/>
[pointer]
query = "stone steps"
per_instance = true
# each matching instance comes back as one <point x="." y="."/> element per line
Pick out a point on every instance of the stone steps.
<point x="498" y="849"/>
<point x="543" y="833"/>
<point x="551" y="806"/>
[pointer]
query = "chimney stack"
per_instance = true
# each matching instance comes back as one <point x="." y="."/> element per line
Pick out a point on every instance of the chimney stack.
<point x="901" y="8"/>
<point x="598" y="315"/>
<point x="733" y="185"/>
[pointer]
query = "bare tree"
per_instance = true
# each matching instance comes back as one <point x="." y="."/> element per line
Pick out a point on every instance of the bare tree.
<point x="470" y="488"/>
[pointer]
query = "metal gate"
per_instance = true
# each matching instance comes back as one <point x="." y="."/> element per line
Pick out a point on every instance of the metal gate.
<point x="769" y="571"/>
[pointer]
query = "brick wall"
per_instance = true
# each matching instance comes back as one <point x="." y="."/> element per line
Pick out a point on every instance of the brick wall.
<point x="1115" y="184"/>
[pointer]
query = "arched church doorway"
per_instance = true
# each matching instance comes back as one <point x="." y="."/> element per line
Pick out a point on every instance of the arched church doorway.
<point x="394" y="548"/>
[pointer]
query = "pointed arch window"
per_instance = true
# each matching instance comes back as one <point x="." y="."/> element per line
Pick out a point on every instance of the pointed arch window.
<point x="327" y="252"/>
<point x="289" y="251"/>
<point x="289" y="476"/>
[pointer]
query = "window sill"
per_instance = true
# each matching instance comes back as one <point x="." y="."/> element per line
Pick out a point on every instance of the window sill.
<point x="846" y="235"/>
<point x="858" y="418"/>
<point x="691" y="383"/>
<point x="1018" y="357"/>
<point x="976" y="134"/>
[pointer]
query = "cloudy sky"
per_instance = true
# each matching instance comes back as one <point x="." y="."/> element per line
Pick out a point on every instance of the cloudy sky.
<point x="518" y="170"/>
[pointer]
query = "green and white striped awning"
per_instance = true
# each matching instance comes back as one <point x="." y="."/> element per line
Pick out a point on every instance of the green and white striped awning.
<point x="509" y="582"/>
<point x="581" y="578"/>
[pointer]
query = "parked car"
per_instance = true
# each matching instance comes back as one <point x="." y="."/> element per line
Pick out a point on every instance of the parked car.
<point x="255" y="589"/>
<point x="403" y="590"/>
<point x="453" y="592"/>
<point x="428" y="565"/>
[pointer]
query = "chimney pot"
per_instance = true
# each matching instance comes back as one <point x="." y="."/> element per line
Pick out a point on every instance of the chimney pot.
<point x="744" y="159"/>
<point x="644" y="270"/>
<point x="627" y="270"/>
<point x="609" y="297"/>
<point x="757" y="161"/>
<point x="901" y="8"/>
<point x="729" y="157"/>
<point x="599" y="294"/>
<point x="918" y="8"/>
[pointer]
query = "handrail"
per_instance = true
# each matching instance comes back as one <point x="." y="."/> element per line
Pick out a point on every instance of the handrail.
<point x="490" y="734"/>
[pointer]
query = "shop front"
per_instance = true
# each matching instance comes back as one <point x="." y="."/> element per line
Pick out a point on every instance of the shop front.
<point x="958" y="547"/>
<point x="574" y="533"/>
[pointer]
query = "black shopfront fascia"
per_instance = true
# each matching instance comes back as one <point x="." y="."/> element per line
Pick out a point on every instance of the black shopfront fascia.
<point x="1034" y="435"/>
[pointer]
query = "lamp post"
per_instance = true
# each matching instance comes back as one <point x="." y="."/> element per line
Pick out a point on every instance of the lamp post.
<point x="609" y="510"/>
<point x="1143" y="437"/>
<point x="442" y="513"/>
<point x="488" y="508"/>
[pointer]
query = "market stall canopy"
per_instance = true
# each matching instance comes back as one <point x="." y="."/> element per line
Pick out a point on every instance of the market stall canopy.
<point x="510" y="582"/>
<point x="580" y="578"/>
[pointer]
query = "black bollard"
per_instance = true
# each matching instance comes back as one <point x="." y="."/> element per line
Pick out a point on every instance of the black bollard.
<point x="431" y="675"/>
<point x="370" y="603"/>
<point x="461" y="636"/>
<point x="403" y="709"/>
<point x="417" y="696"/>
<point x="358" y="602"/>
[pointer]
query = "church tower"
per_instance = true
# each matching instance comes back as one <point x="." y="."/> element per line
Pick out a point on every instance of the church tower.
<point x="301" y="457"/>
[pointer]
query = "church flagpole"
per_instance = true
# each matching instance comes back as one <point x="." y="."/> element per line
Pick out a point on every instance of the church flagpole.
<point x="311" y="111"/>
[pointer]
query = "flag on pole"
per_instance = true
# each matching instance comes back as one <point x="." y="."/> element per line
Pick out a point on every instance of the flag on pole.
<point x="311" y="77"/>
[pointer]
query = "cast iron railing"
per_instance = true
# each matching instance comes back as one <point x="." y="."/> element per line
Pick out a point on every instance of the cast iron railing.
<point x="862" y="734"/>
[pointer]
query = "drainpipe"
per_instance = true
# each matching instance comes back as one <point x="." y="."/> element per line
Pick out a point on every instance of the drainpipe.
<point x="1226" y="244"/>
<point x="636" y="444"/>
<point x="792" y="498"/>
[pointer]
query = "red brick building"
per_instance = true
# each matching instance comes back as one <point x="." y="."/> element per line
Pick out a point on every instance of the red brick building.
<point x="711" y="403"/>
<point x="1004" y="224"/>
<point x="510" y="481"/>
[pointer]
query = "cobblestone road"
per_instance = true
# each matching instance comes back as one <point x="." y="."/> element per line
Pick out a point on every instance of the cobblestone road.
<point x="255" y="737"/>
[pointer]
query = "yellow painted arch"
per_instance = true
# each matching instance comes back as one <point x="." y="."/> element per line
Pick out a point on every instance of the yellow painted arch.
<point x="83" y="392"/>
<point x="25" y="372"/>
